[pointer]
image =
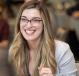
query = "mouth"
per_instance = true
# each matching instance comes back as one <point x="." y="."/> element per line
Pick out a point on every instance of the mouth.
<point x="29" y="32"/>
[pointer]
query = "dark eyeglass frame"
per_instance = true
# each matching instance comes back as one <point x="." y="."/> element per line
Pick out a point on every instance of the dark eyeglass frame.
<point x="32" y="21"/>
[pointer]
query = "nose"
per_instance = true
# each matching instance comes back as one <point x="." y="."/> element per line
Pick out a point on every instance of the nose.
<point x="29" y="25"/>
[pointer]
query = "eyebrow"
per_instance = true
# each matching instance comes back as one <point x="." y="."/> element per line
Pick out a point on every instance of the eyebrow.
<point x="23" y="17"/>
<point x="32" y="17"/>
<point x="36" y="18"/>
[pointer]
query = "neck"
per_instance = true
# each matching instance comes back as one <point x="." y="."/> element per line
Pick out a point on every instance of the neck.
<point x="33" y="44"/>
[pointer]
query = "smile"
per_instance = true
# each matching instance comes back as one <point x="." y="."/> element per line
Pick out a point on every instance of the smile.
<point x="29" y="32"/>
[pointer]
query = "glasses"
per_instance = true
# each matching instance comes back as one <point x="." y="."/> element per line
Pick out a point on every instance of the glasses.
<point x="32" y="21"/>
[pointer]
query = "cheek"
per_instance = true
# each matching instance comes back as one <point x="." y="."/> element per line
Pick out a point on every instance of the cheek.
<point x="21" y="24"/>
<point x="40" y="29"/>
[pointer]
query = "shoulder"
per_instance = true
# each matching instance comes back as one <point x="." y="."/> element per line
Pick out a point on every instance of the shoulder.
<point x="62" y="50"/>
<point x="65" y="59"/>
<point x="61" y="44"/>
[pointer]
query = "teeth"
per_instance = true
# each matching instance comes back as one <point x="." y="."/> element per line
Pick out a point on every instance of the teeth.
<point x="29" y="32"/>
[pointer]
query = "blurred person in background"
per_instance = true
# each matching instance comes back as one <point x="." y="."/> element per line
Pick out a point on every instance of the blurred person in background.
<point x="73" y="35"/>
<point x="68" y="30"/>
<point x="34" y="51"/>
<point x="5" y="69"/>
<point x="10" y="11"/>
<point x="4" y="30"/>
<point x="73" y="13"/>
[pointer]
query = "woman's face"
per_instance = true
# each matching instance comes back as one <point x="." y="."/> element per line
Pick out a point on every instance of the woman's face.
<point x="31" y="25"/>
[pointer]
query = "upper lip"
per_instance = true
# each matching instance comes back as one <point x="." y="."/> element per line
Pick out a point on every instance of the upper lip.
<point x="29" y="30"/>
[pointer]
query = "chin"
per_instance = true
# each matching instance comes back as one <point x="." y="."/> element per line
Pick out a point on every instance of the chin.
<point x="31" y="38"/>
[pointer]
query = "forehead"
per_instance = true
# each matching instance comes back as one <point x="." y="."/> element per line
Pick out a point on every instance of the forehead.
<point x="29" y="13"/>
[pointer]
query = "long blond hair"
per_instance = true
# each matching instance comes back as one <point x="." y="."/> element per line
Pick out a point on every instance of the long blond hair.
<point x="45" y="54"/>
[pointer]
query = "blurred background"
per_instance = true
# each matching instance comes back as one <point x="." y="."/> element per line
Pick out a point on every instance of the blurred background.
<point x="67" y="15"/>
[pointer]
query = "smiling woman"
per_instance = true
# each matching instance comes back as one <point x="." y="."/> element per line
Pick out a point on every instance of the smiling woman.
<point x="34" y="51"/>
<point x="31" y="25"/>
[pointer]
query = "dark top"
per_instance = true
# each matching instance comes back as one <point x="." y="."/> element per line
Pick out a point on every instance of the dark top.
<point x="4" y="30"/>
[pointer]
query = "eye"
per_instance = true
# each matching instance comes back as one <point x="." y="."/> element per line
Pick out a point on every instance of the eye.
<point x="23" y="19"/>
<point x="36" y="20"/>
